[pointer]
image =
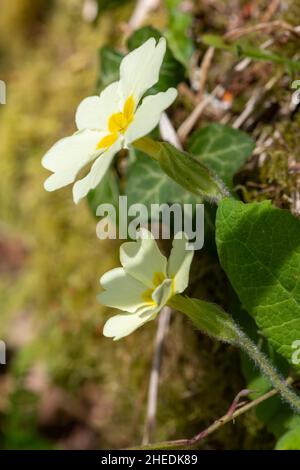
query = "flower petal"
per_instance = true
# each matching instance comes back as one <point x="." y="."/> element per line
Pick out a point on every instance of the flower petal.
<point x="98" y="170"/>
<point x="180" y="262"/>
<point x="123" y="324"/>
<point x="162" y="293"/>
<point x="139" y="70"/>
<point x="68" y="156"/>
<point x="93" y="112"/>
<point x="142" y="258"/>
<point x="121" y="291"/>
<point x="148" y="114"/>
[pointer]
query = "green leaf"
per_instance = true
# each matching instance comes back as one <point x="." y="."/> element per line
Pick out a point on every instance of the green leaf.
<point x="178" y="36"/>
<point x="172" y="72"/>
<point x="110" y="60"/>
<point x="148" y="184"/>
<point x="241" y="50"/>
<point x="184" y="169"/>
<point x="222" y="149"/>
<point x="290" y="440"/>
<point x="209" y="318"/>
<point x="259" y="249"/>
<point x="107" y="191"/>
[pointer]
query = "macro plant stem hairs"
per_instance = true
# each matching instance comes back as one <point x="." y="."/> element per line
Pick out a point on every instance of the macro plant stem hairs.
<point x="278" y="382"/>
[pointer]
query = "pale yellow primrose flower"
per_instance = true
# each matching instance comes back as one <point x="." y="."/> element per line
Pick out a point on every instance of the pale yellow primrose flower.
<point x="144" y="283"/>
<point x="111" y="121"/>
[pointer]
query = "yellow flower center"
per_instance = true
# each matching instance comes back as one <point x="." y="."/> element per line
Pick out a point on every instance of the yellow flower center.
<point x="118" y="123"/>
<point x="158" y="279"/>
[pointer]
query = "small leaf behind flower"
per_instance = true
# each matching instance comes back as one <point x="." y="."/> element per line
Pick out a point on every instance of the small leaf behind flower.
<point x="178" y="36"/>
<point x="222" y="148"/>
<point x="107" y="191"/>
<point x="110" y="60"/>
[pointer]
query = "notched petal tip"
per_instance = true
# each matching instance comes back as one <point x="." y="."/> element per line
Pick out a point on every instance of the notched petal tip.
<point x="173" y="92"/>
<point x="47" y="185"/>
<point x="76" y="193"/>
<point x="144" y="234"/>
<point x="53" y="182"/>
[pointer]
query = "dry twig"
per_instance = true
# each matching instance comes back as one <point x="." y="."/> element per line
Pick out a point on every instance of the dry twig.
<point x="271" y="10"/>
<point x="189" y="123"/>
<point x="271" y="26"/>
<point x="227" y="418"/>
<point x="203" y="72"/>
<point x="142" y="9"/>
<point x="192" y="119"/>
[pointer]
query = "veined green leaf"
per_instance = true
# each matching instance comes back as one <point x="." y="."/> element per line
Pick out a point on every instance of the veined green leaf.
<point x="107" y="191"/>
<point x="110" y="60"/>
<point x="259" y="249"/>
<point x="222" y="149"/>
<point x="148" y="184"/>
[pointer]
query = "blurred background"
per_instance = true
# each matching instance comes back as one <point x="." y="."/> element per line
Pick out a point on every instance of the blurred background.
<point x="64" y="385"/>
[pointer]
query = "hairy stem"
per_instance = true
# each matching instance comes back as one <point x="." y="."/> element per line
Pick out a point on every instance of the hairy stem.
<point x="269" y="371"/>
<point x="213" y="321"/>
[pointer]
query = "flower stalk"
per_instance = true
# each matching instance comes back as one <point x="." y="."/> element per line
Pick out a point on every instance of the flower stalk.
<point x="213" y="321"/>
<point x="185" y="169"/>
<point x="276" y="379"/>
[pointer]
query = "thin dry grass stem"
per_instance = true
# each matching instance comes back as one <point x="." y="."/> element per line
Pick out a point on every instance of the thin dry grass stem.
<point x="267" y="27"/>
<point x="140" y="13"/>
<point x="162" y="328"/>
<point x="255" y="98"/>
<point x="187" y="126"/>
<point x="169" y="134"/>
<point x="203" y="72"/>
<point x="271" y="10"/>
<point x="249" y="108"/>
